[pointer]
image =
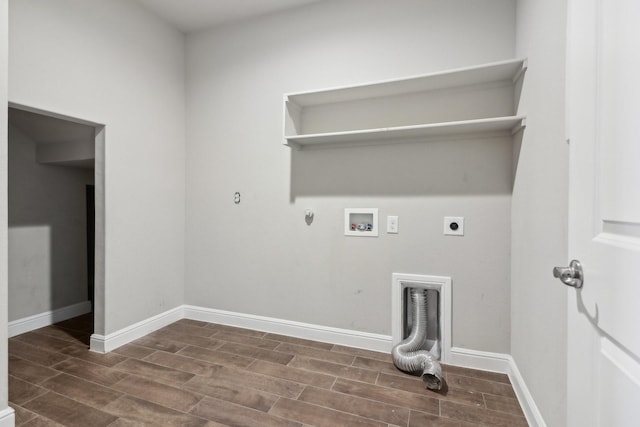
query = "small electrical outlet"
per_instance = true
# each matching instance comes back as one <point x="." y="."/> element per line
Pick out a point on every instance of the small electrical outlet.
<point x="392" y="224"/>
<point x="454" y="226"/>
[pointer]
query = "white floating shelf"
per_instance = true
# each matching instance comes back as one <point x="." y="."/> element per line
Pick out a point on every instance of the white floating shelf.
<point x="487" y="73"/>
<point x="478" y="99"/>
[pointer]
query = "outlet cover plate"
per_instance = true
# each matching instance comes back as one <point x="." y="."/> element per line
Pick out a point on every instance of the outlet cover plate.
<point x="392" y="224"/>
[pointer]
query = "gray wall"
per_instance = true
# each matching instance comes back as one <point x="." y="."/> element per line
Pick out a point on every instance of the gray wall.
<point x="539" y="211"/>
<point x="111" y="62"/>
<point x="47" y="231"/>
<point x="260" y="257"/>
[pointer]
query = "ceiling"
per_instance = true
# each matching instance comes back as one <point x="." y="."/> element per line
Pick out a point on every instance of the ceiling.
<point x="195" y="15"/>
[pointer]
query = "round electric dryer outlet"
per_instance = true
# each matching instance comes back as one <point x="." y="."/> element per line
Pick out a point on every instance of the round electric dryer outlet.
<point x="454" y="226"/>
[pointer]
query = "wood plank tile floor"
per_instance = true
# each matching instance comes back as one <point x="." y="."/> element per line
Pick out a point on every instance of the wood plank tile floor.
<point x="194" y="373"/>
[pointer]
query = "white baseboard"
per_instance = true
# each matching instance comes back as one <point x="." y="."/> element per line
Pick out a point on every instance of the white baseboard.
<point x="27" y="324"/>
<point x="529" y="407"/>
<point x="107" y="343"/>
<point x="365" y="340"/>
<point x="474" y="359"/>
<point x="503" y="363"/>
<point x="7" y="417"/>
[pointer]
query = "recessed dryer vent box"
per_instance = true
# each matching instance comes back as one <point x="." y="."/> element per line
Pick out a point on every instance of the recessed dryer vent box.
<point x="361" y="222"/>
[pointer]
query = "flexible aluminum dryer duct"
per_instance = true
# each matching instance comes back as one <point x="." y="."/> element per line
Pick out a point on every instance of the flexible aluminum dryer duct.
<point x="409" y="355"/>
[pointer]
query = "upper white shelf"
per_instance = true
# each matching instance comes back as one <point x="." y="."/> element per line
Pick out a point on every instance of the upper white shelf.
<point x="460" y="101"/>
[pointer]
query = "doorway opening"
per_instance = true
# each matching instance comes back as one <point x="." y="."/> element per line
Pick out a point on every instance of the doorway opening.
<point x="56" y="219"/>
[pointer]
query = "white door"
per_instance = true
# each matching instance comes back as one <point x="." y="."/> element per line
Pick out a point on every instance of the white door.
<point x="603" y="111"/>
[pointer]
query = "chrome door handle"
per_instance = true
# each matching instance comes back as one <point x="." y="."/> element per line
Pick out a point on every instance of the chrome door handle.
<point x="570" y="276"/>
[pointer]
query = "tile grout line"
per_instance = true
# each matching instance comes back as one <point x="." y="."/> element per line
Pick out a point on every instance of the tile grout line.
<point x="46" y="390"/>
<point x="273" y="406"/>
<point x="84" y="379"/>
<point x="335" y="380"/>
<point x="74" y="400"/>
<point x="386" y="403"/>
<point x="134" y="397"/>
<point x="339" y="410"/>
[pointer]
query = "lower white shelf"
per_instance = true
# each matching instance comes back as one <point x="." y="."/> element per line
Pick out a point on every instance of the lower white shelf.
<point x="509" y="124"/>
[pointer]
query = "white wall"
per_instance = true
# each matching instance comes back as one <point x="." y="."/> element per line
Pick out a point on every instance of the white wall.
<point x="539" y="211"/>
<point x="47" y="231"/>
<point x="111" y="62"/>
<point x="260" y="257"/>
